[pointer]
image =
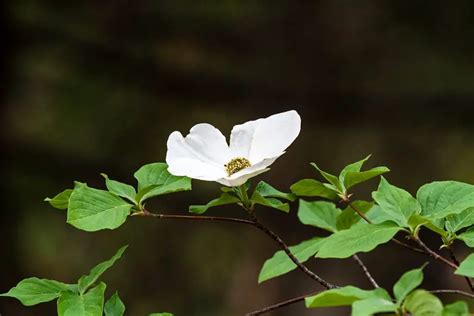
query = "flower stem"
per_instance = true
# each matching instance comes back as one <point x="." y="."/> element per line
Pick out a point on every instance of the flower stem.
<point x="245" y="198"/>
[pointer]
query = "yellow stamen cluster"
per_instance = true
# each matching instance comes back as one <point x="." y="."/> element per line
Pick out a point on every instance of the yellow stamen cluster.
<point x="236" y="164"/>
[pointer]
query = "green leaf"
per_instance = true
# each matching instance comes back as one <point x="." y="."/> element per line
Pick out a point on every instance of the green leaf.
<point x="87" y="280"/>
<point x="423" y="303"/>
<point x="371" y="306"/>
<point x="466" y="267"/>
<point x="319" y="214"/>
<point x="349" y="217"/>
<point x="270" y="202"/>
<point x="61" y="200"/>
<point x="359" y="238"/>
<point x="456" y="222"/>
<point x="343" y="296"/>
<point x="280" y="264"/>
<point x="225" y="198"/>
<point x="266" y="190"/>
<point x="114" y="306"/>
<point x="407" y="283"/>
<point x="459" y="308"/>
<point x="396" y="202"/>
<point x="88" y="304"/>
<point x="353" y="178"/>
<point x="468" y="237"/>
<point x="442" y="198"/>
<point x="160" y="314"/>
<point x="311" y="187"/>
<point x="120" y="189"/>
<point x="33" y="291"/>
<point x="353" y="167"/>
<point x="331" y="178"/>
<point x="92" y="209"/>
<point x="157" y="174"/>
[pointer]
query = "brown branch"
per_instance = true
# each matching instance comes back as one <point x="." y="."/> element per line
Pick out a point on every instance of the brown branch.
<point x="253" y="222"/>
<point x="279" y="305"/>
<point x="365" y="270"/>
<point x="456" y="261"/>
<point x="433" y="254"/>
<point x="285" y="248"/>
<point x="453" y="292"/>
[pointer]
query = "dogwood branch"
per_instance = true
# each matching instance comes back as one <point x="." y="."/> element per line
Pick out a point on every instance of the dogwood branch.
<point x="365" y="270"/>
<point x="456" y="261"/>
<point x="254" y="222"/>
<point x="279" y="305"/>
<point x="433" y="254"/>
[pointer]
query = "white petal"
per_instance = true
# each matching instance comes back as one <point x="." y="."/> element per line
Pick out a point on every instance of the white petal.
<point x="243" y="175"/>
<point x="204" y="142"/>
<point x="265" y="138"/>
<point x="195" y="169"/>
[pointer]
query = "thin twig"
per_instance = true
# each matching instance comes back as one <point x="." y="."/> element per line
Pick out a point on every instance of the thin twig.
<point x="456" y="261"/>
<point x="453" y="292"/>
<point x="284" y="246"/>
<point x="365" y="270"/>
<point x="253" y="222"/>
<point x="433" y="254"/>
<point x="279" y="305"/>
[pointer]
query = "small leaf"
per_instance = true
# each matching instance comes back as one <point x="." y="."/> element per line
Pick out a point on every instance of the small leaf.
<point x="349" y="217"/>
<point x="359" y="238"/>
<point x="353" y="178"/>
<point x="353" y="167"/>
<point x="468" y="237"/>
<point x="270" y="202"/>
<point x="407" y="283"/>
<point x="371" y="306"/>
<point x="456" y="222"/>
<point x="319" y="214"/>
<point x="33" y="291"/>
<point x="160" y="314"/>
<point x="331" y="178"/>
<point x="343" y="296"/>
<point x="396" y="202"/>
<point x="311" y="187"/>
<point x="225" y="198"/>
<point x="466" y="267"/>
<point x="442" y="198"/>
<point x="92" y="209"/>
<point x="61" y="200"/>
<point x="120" y="189"/>
<point x="114" y="306"/>
<point x="88" y="304"/>
<point x="155" y="174"/>
<point x="266" y="190"/>
<point x="423" y="303"/>
<point x="87" y="280"/>
<point x="459" y="308"/>
<point x="280" y="264"/>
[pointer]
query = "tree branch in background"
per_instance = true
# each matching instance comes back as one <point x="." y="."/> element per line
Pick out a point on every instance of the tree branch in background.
<point x="456" y="261"/>
<point x="365" y="270"/>
<point x="279" y="305"/>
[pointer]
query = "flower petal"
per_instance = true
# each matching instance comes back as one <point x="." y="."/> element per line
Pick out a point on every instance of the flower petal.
<point x="243" y="175"/>
<point x="195" y="169"/>
<point x="265" y="138"/>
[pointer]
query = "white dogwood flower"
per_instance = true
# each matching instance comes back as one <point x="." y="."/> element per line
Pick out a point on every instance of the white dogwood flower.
<point x="205" y="155"/>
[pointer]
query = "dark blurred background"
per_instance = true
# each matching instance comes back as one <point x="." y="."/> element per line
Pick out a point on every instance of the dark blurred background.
<point x="97" y="86"/>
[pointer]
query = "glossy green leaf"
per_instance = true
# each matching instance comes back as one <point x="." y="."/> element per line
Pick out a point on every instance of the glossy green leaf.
<point x="466" y="267"/>
<point x="371" y="306"/>
<point x="270" y="202"/>
<point x="359" y="238"/>
<point x="331" y="178"/>
<point x="266" y="190"/>
<point x="225" y="198"/>
<point x="320" y="214"/>
<point x="87" y="304"/>
<point x="114" y="306"/>
<point x="442" y="198"/>
<point x="459" y="308"/>
<point x="88" y="280"/>
<point x="407" y="283"/>
<point x="353" y="178"/>
<point x="456" y="222"/>
<point x="468" y="237"/>
<point x="423" y="303"/>
<point x="61" y="200"/>
<point x="397" y="203"/>
<point x="343" y="296"/>
<point x="311" y="187"/>
<point x="280" y="263"/>
<point x="348" y="217"/>
<point x="120" y="189"/>
<point x="33" y="291"/>
<point x="92" y="209"/>
<point x="353" y="167"/>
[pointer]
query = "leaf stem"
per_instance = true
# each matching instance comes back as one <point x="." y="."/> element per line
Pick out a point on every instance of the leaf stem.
<point x="456" y="261"/>
<point x="453" y="292"/>
<point x="365" y="270"/>
<point x="279" y="305"/>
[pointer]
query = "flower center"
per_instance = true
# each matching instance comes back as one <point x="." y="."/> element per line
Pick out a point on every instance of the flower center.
<point x="236" y="164"/>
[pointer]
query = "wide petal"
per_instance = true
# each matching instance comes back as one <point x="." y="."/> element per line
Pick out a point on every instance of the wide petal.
<point x="265" y="138"/>
<point x="243" y="175"/>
